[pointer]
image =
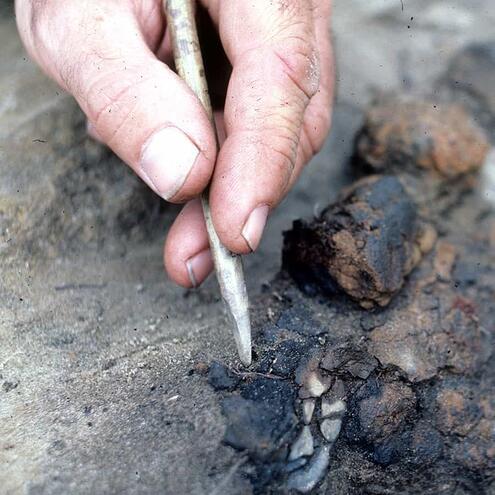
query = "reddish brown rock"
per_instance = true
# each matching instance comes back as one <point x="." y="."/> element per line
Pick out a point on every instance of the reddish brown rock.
<point x="404" y="133"/>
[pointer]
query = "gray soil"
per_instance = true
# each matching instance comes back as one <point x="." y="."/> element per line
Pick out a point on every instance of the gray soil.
<point x="102" y="359"/>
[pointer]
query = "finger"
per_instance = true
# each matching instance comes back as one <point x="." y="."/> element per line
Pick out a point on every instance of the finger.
<point x="137" y="105"/>
<point x="187" y="256"/>
<point x="275" y="74"/>
<point x="317" y="117"/>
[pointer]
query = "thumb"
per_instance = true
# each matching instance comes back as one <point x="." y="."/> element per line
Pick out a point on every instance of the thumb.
<point x="136" y="104"/>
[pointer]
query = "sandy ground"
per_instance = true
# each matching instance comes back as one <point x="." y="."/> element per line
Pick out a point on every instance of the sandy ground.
<point x="99" y="392"/>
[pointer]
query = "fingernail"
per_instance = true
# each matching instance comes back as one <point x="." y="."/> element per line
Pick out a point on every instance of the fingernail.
<point x="91" y="130"/>
<point x="199" y="267"/>
<point x="167" y="158"/>
<point x="254" y="226"/>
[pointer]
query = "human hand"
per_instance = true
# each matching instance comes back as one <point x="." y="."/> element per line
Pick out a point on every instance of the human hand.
<point x="112" y="57"/>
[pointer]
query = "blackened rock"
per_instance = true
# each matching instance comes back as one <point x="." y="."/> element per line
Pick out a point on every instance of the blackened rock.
<point x="262" y="419"/>
<point x="379" y="410"/>
<point x="365" y="244"/>
<point x="299" y="319"/>
<point x="357" y="362"/>
<point x="221" y="378"/>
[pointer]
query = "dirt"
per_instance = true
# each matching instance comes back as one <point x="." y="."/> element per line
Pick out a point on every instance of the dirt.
<point x="113" y="380"/>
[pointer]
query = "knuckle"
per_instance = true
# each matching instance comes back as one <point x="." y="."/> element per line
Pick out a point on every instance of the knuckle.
<point x="299" y="61"/>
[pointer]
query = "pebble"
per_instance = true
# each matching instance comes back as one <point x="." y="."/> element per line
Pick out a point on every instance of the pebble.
<point x="315" y="385"/>
<point x="303" y="446"/>
<point x="308" y="408"/>
<point x="330" y="429"/>
<point x="304" y="480"/>
<point x="330" y="407"/>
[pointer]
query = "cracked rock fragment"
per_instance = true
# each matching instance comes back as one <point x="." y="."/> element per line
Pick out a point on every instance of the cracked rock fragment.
<point x="364" y="245"/>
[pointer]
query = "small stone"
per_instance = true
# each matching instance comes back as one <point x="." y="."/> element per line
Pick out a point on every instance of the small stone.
<point x="308" y="407"/>
<point x="330" y="429"/>
<point x="330" y="407"/>
<point x="315" y="385"/>
<point x="304" y="480"/>
<point x="221" y="378"/>
<point x="303" y="446"/>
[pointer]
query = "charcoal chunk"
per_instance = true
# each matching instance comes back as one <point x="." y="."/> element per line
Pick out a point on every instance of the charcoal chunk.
<point x="261" y="419"/>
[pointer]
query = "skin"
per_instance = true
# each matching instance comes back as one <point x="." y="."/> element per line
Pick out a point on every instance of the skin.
<point x="113" y="56"/>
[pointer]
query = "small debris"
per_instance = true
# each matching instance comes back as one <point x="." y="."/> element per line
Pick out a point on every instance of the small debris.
<point x="330" y="407"/>
<point x="9" y="386"/>
<point x="305" y="479"/>
<point x="303" y="446"/>
<point x="314" y="385"/>
<point x="308" y="407"/>
<point x="330" y="429"/>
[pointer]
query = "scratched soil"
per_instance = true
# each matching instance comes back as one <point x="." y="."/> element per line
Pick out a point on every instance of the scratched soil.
<point x="107" y="375"/>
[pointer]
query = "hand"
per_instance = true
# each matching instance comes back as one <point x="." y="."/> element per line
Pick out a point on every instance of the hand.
<point x="111" y="56"/>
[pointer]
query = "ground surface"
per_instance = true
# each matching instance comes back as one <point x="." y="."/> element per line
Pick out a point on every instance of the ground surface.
<point x="100" y="358"/>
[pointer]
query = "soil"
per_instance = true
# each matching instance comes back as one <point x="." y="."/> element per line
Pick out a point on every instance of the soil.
<point x="113" y="380"/>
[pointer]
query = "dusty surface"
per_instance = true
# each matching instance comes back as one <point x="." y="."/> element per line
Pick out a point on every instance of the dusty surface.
<point x="102" y="362"/>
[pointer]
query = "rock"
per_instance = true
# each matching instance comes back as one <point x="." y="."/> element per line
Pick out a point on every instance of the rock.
<point x="308" y="407"/>
<point x="378" y="410"/>
<point x="365" y="244"/>
<point x="357" y="362"/>
<point x="303" y="446"/>
<point x="330" y="429"/>
<point x="402" y="133"/>
<point x="304" y="480"/>
<point x="314" y="385"/>
<point x="261" y="419"/>
<point x="221" y="378"/>
<point x="332" y="407"/>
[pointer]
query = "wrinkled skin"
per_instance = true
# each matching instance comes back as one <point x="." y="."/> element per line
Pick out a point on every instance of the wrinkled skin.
<point x="114" y="58"/>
